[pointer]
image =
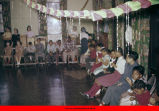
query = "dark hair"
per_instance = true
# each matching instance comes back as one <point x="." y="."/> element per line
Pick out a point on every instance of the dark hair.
<point x="59" y="41"/>
<point x="39" y="39"/>
<point x="92" y="46"/>
<point x="100" y="45"/>
<point x="8" y="28"/>
<point x="28" y="27"/>
<point x="30" y="43"/>
<point x="140" y="69"/>
<point x="16" y="30"/>
<point x="133" y="55"/>
<point x="138" y="84"/>
<point x="83" y="29"/>
<point x="106" y="50"/>
<point x="120" y="50"/>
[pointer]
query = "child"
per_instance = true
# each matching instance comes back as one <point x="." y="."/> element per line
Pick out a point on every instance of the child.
<point x="30" y="51"/>
<point x="7" y="53"/>
<point x="7" y="36"/>
<point x="30" y="34"/>
<point x="39" y="50"/>
<point x="18" y="52"/>
<point x="91" y="57"/>
<point x="105" y="62"/>
<point x="99" y="56"/>
<point x="59" y="50"/>
<point x="15" y="37"/>
<point x="51" y="49"/>
<point x="141" y="94"/>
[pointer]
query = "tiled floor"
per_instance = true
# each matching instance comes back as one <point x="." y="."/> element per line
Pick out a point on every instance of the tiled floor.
<point x="56" y="86"/>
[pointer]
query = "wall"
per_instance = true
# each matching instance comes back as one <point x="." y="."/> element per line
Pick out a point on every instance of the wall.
<point x="77" y="5"/>
<point x="20" y="17"/>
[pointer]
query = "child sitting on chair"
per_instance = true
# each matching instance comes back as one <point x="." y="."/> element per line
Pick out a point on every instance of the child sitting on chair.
<point x="30" y="51"/>
<point x="18" y="52"/>
<point x="91" y="57"/>
<point x="7" y="53"/>
<point x="105" y="62"/>
<point x="140" y="93"/>
<point x="98" y="63"/>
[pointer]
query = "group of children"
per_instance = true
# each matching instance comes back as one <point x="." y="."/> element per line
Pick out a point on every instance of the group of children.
<point x="122" y="77"/>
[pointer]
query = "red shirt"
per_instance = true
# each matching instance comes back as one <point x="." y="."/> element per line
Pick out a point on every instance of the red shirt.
<point x="93" y="54"/>
<point x="144" y="98"/>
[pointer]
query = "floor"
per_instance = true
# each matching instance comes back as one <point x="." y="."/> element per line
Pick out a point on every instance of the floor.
<point x="59" y="85"/>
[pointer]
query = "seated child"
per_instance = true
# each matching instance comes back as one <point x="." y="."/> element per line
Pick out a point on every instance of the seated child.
<point x="91" y="57"/>
<point x="104" y="60"/>
<point x="51" y="50"/>
<point x="30" y="51"/>
<point x="7" y="53"/>
<point x="18" y="52"/>
<point x="140" y="93"/>
<point x="99" y="56"/>
<point x="59" y="50"/>
<point x="39" y="49"/>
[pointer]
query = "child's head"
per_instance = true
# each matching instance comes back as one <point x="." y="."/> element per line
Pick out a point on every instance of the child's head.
<point x="119" y="52"/>
<point x="113" y="54"/>
<point x="28" y="28"/>
<point x="138" y="72"/>
<point x="94" y="42"/>
<point x="74" y="28"/>
<point x="7" y="44"/>
<point x="18" y="43"/>
<point x="30" y="43"/>
<point x="139" y="87"/>
<point x="99" y="46"/>
<point x="16" y="31"/>
<point x="50" y="42"/>
<point x="91" y="47"/>
<point x="8" y="29"/>
<point x="104" y="51"/>
<point x="131" y="57"/>
<point x="59" y="42"/>
<point x="38" y="40"/>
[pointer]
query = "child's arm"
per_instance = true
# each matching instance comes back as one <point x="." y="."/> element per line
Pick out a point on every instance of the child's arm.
<point x="129" y="81"/>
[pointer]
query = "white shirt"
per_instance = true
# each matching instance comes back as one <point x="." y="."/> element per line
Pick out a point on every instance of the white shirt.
<point x="120" y="65"/>
<point x="51" y="48"/>
<point x="106" y="57"/>
<point x="84" y="35"/>
<point x="30" y="34"/>
<point x="60" y="48"/>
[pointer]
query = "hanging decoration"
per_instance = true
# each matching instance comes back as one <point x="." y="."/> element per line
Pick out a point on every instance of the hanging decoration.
<point x="95" y="15"/>
<point x="117" y="33"/>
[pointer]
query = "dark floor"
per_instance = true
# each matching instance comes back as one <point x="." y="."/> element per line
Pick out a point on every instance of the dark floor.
<point x="56" y="86"/>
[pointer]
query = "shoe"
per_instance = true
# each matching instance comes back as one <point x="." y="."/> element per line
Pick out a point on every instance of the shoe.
<point x="86" y="95"/>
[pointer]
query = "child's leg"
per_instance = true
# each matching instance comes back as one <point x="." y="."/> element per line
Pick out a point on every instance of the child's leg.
<point x="93" y="90"/>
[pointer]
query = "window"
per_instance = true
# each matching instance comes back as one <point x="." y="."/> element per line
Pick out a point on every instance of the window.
<point x="54" y="28"/>
<point x="1" y="19"/>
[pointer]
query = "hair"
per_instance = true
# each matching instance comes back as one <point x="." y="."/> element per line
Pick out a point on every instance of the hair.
<point x="39" y="39"/>
<point x="133" y="55"/>
<point x="30" y="43"/>
<point x="92" y="46"/>
<point x="138" y="84"/>
<point x="140" y="69"/>
<point x="83" y="29"/>
<point x="28" y="27"/>
<point x="120" y="50"/>
<point x="8" y="28"/>
<point x="16" y="30"/>
<point x="100" y="45"/>
<point x="106" y="50"/>
<point x="59" y="41"/>
<point x="50" y="41"/>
